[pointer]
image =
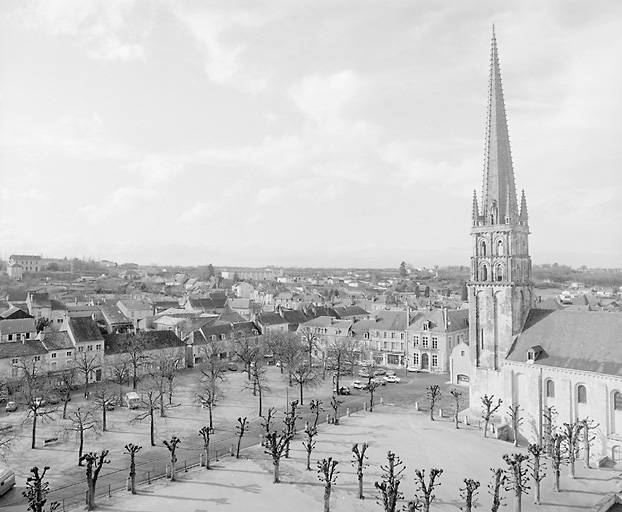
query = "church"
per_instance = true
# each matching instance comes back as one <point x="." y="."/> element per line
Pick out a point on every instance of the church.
<point x="534" y="358"/>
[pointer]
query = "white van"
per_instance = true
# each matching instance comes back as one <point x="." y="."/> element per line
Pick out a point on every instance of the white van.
<point x="132" y="400"/>
<point x="7" y="480"/>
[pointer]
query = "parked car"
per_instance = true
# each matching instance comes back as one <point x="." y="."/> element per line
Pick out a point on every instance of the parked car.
<point x="357" y="384"/>
<point x="7" y="480"/>
<point x="343" y="390"/>
<point x="392" y="379"/>
<point x="363" y="373"/>
<point x="390" y="372"/>
<point x="379" y="372"/>
<point x="54" y="399"/>
<point x="271" y="362"/>
<point x="412" y="369"/>
<point x="11" y="406"/>
<point x="379" y="380"/>
<point x="232" y="367"/>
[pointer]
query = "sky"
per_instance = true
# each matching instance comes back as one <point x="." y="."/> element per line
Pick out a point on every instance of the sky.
<point x="311" y="133"/>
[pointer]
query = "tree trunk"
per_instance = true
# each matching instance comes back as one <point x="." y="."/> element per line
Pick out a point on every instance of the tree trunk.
<point x="65" y="402"/>
<point x="207" y="466"/>
<point x="556" y="480"/>
<point x="517" y="501"/>
<point x="536" y="498"/>
<point x="161" y="404"/>
<point x="360" y="479"/>
<point x="571" y="462"/>
<point x="34" y="431"/>
<point x="485" y="427"/>
<point x="86" y="384"/>
<point x="309" y="458"/>
<point x="173" y="469"/>
<point x="327" y="498"/>
<point x="104" y="405"/>
<point x="211" y="421"/>
<point x="301" y="386"/>
<point x="260" y="401"/>
<point x="277" y="477"/>
<point x="91" y="502"/>
<point x="81" y="446"/>
<point x="152" y="426"/>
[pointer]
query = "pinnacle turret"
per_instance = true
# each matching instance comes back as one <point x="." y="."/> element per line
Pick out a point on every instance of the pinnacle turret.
<point x="524" y="214"/>
<point x="475" y="214"/>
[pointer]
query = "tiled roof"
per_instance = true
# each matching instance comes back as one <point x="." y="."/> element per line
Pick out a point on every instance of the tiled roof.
<point x="270" y="319"/>
<point x="85" y="329"/>
<point x="391" y="321"/>
<point x="154" y="340"/>
<point x="40" y="299"/>
<point x="346" y="311"/>
<point x="24" y="257"/>
<point x="362" y="326"/>
<point x="14" y="313"/>
<point x="585" y="341"/>
<point x="17" y="296"/>
<point x="27" y="349"/>
<point x="208" y="304"/>
<point x="57" y="340"/>
<point x="19" y="325"/>
<point x="114" y="316"/>
<point x="232" y="317"/>
<point x="138" y="305"/>
<point x="57" y="305"/>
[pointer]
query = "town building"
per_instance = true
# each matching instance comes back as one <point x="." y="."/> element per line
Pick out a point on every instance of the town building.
<point x="29" y="263"/>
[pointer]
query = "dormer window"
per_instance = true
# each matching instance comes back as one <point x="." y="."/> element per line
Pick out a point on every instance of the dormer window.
<point x="533" y="353"/>
<point x="426" y="325"/>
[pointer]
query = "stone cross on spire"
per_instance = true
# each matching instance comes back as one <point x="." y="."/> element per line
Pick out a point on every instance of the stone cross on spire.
<point x="499" y="204"/>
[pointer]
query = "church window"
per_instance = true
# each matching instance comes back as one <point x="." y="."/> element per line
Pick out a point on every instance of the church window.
<point x="617" y="401"/>
<point x="499" y="272"/>
<point x="581" y="394"/>
<point x="484" y="273"/>
<point x="500" y="247"/>
<point x="550" y="389"/>
<point x="482" y="248"/>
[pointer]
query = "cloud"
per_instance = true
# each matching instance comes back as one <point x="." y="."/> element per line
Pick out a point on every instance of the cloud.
<point x="122" y="201"/>
<point x="223" y="56"/>
<point x="267" y="196"/>
<point x="156" y="169"/>
<point x="199" y="212"/>
<point x="112" y="30"/>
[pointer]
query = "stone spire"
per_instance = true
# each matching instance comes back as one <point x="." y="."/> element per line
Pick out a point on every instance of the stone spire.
<point x="475" y="213"/>
<point x="499" y="204"/>
<point x="524" y="215"/>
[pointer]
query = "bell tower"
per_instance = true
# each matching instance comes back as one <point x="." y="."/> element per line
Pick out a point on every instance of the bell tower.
<point x="500" y="289"/>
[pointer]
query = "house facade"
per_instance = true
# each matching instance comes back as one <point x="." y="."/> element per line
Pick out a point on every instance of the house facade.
<point x="29" y="263"/>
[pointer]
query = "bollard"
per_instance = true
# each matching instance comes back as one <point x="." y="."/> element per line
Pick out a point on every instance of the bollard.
<point x="440" y="413"/>
<point x="416" y="406"/>
<point x="466" y="420"/>
<point x="348" y="412"/>
<point x="168" y="472"/>
<point x="327" y="418"/>
<point x="231" y="451"/>
<point x="200" y="459"/>
<point x="148" y="477"/>
<point x="381" y="401"/>
<point x="365" y="405"/>
<point x="185" y="467"/>
<point x="129" y="484"/>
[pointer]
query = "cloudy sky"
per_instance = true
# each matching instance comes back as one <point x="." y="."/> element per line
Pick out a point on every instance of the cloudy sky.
<point x="313" y="133"/>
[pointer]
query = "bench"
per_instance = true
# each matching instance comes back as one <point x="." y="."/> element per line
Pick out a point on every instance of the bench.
<point x="50" y="441"/>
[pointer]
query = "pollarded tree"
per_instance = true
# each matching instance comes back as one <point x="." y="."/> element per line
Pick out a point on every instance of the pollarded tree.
<point x="94" y="463"/>
<point x="390" y="485"/>
<point x="517" y="477"/>
<point x="516" y="418"/>
<point x="309" y="443"/>
<point x="548" y="417"/>
<point x="434" y="395"/>
<point x="316" y="409"/>
<point x="132" y="450"/>
<point x="266" y="424"/>
<point x="359" y="464"/>
<point x="172" y="448"/>
<point x="427" y="490"/>
<point x="557" y="457"/>
<point x="587" y="425"/>
<point x="82" y="421"/>
<point x="457" y="398"/>
<point x="87" y="363"/>
<point x="241" y="427"/>
<point x="571" y="432"/>
<point x="488" y="409"/>
<point x="469" y="494"/>
<point x="334" y="404"/>
<point x="494" y="488"/>
<point x="328" y="475"/>
<point x="536" y="468"/>
<point x="205" y="434"/>
<point x="372" y="386"/>
<point x="37" y="490"/>
<point x="291" y="416"/>
<point x="275" y="447"/>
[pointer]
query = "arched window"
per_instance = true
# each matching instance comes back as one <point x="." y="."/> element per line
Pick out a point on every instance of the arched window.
<point x="484" y="273"/>
<point x="550" y="389"/>
<point x="581" y="394"/>
<point x="499" y="272"/>
<point x="482" y="248"/>
<point x="500" y="247"/>
<point x="617" y="401"/>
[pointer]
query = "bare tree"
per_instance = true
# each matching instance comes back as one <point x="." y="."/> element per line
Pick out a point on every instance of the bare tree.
<point x="172" y="447"/>
<point x="267" y="422"/>
<point x="37" y="490"/>
<point x="132" y="450"/>
<point x="134" y="347"/>
<point x="457" y="397"/>
<point x="587" y="425"/>
<point x="571" y="432"/>
<point x="168" y="363"/>
<point x="536" y="468"/>
<point x="548" y="415"/>
<point x="150" y="402"/>
<point x="337" y="350"/>
<point x="390" y="485"/>
<point x="328" y="475"/>
<point x="335" y="403"/>
<point x="291" y="416"/>
<point x="316" y="409"/>
<point x="275" y="447"/>
<point x="517" y="477"/>
<point x="241" y="427"/>
<point x="119" y="371"/>
<point x="488" y="410"/>
<point x="427" y="490"/>
<point x="87" y="363"/>
<point x="82" y="421"/>
<point x="94" y="463"/>
<point x="309" y="443"/>
<point x="209" y="396"/>
<point x="557" y="457"/>
<point x="360" y="465"/>
<point x="303" y="376"/>
<point x="494" y="488"/>
<point x="516" y="418"/>
<point x="372" y="386"/>
<point x="434" y="395"/>
<point x="309" y="339"/>
<point x="105" y="398"/>
<point x="248" y="349"/>
<point x="469" y="494"/>
<point x="67" y="379"/>
<point x="34" y="389"/>
<point x="259" y="381"/>
<point x="205" y="434"/>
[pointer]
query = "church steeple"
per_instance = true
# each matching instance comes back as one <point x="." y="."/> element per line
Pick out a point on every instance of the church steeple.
<point x="499" y="204"/>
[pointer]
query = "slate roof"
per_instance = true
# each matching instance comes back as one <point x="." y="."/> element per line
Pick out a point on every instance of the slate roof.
<point x="390" y="321"/>
<point x="28" y="349"/>
<point x="85" y="329"/>
<point x="170" y="321"/>
<point x="154" y="340"/>
<point x="349" y="311"/>
<point x="40" y="299"/>
<point x="14" y="313"/>
<point x="17" y="296"/>
<point x="114" y="316"/>
<point x="360" y="327"/>
<point x="137" y="305"/>
<point x="24" y="257"/>
<point x="57" y="340"/>
<point x="19" y="325"/>
<point x="270" y="319"/>
<point x="208" y="304"/>
<point x="57" y="305"/>
<point x="585" y="341"/>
